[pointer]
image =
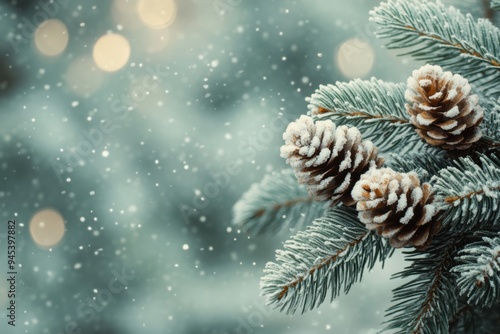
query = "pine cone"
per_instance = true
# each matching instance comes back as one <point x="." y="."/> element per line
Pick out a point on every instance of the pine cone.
<point x="442" y="109"/>
<point x="397" y="207"/>
<point x="327" y="158"/>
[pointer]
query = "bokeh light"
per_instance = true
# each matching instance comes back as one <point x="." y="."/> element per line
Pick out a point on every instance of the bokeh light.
<point x="51" y="37"/>
<point x="83" y="77"/>
<point x="47" y="228"/>
<point x="132" y="143"/>
<point x="157" y="14"/>
<point x="355" y="58"/>
<point x="111" y="52"/>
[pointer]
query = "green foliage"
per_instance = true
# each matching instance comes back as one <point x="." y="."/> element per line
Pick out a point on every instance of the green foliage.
<point x="479" y="271"/>
<point x="328" y="257"/>
<point x="444" y="36"/>
<point x="491" y="122"/>
<point x="424" y="164"/>
<point x="426" y="303"/>
<point x="453" y="285"/>
<point x="469" y="192"/>
<point x="375" y="107"/>
<point x="278" y="201"/>
<point x="495" y="4"/>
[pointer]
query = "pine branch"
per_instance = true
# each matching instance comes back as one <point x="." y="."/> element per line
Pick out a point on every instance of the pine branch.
<point x="330" y="255"/>
<point x="276" y="202"/>
<point x="444" y="36"/>
<point x="495" y="4"/>
<point x="426" y="303"/>
<point x="375" y="107"/>
<point x="491" y="123"/>
<point x="469" y="192"/>
<point x="479" y="271"/>
<point x="424" y="164"/>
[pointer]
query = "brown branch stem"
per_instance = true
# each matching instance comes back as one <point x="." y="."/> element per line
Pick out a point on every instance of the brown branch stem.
<point x="364" y="114"/>
<point x="455" y="45"/>
<point x="324" y="262"/>
<point x="451" y="199"/>
<point x="431" y="294"/>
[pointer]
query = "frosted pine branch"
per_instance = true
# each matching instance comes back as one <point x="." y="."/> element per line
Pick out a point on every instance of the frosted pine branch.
<point x="491" y="123"/>
<point x="426" y="303"/>
<point x="424" y="164"/>
<point x="495" y="4"/>
<point x="327" y="258"/>
<point x="446" y="207"/>
<point x="469" y="192"/>
<point x="274" y="203"/>
<point x="374" y="99"/>
<point x="375" y="107"/>
<point x="444" y="36"/>
<point x="480" y="271"/>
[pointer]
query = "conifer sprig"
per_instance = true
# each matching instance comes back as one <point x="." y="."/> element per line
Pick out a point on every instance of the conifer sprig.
<point x="495" y="4"/>
<point x="276" y="202"/>
<point x="438" y="191"/>
<point x="325" y="259"/>
<point x="375" y="107"/>
<point x="469" y="192"/>
<point x="432" y="32"/>
<point x="424" y="164"/>
<point x="426" y="304"/>
<point x="479" y="271"/>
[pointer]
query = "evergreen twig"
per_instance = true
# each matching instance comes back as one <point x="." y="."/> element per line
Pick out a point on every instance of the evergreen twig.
<point x="426" y="304"/>
<point x="330" y="255"/>
<point x="444" y="36"/>
<point x="278" y="201"/>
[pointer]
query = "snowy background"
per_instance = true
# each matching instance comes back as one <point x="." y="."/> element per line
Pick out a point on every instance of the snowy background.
<point x="120" y="139"/>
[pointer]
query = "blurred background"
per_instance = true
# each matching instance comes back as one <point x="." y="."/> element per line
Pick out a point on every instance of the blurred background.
<point x="120" y="121"/>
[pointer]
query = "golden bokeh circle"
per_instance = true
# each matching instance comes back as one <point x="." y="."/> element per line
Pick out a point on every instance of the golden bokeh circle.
<point x="355" y="58"/>
<point x="51" y="37"/>
<point x="157" y="14"/>
<point x="111" y="52"/>
<point x="47" y="228"/>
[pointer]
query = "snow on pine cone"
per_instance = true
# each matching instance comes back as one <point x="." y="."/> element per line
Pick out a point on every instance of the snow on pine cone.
<point x="397" y="207"/>
<point x="327" y="158"/>
<point x="442" y="109"/>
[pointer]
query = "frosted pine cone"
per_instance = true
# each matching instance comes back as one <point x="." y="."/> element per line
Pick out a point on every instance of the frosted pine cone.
<point x="397" y="207"/>
<point x="327" y="158"/>
<point x="442" y="109"/>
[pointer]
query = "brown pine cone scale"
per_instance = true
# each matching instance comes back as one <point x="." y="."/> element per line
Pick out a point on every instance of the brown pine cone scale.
<point x="397" y="207"/>
<point x="327" y="158"/>
<point x="442" y="109"/>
